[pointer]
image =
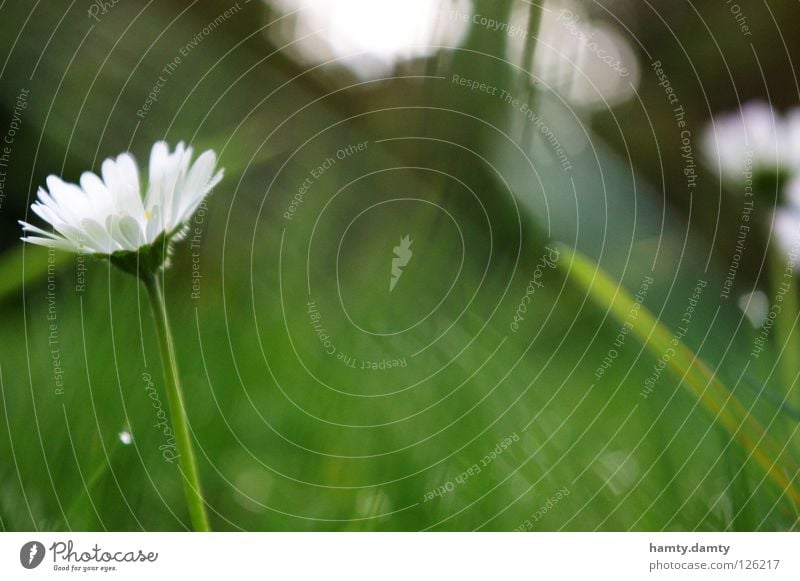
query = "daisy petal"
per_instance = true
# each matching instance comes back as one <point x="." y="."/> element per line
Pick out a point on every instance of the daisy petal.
<point x="107" y="213"/>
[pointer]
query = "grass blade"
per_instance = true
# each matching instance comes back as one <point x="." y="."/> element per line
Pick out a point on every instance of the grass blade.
<point x="696" y="376"/>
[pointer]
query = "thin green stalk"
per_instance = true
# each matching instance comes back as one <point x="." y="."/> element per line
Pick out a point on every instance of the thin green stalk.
<point x="534" y="19"/>
<point x="180" y="425"/>
<point x="787" y="337"/>
<point x="528" y="84"/>
<point x="701" y="382"/>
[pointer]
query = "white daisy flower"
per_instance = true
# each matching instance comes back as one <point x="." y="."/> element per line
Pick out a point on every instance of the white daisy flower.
<point x="110" y="216"/>
<point x="755" y="132"/>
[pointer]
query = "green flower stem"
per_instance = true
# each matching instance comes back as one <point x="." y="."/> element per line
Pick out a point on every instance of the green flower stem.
<point x="534" y="20"/>
<point x="787" y="338"/>
<point x="695" y="376"/>
<point x="180" y="425"/>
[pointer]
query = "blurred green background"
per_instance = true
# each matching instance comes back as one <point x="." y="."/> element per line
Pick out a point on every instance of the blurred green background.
<point x="294" y="437"/>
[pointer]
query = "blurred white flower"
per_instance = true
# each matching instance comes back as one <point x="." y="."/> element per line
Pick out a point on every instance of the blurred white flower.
<point x="761" y="148"/>
<point x="755" y="306"/>
<point x="786" y="228"/>
<point x="110" y="215"/>
<point x="792" y="192"/>
<point x="372" y="35"/>
<point x="757" y="135"/>
<point x="586" y="61"/>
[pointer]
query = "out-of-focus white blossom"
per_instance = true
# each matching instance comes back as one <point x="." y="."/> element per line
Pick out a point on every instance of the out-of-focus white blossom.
<point x="786" y="228"/>
<point x="755" y="138"/>
<point x="755" y="306"/>
<point x="369" y="36"/>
